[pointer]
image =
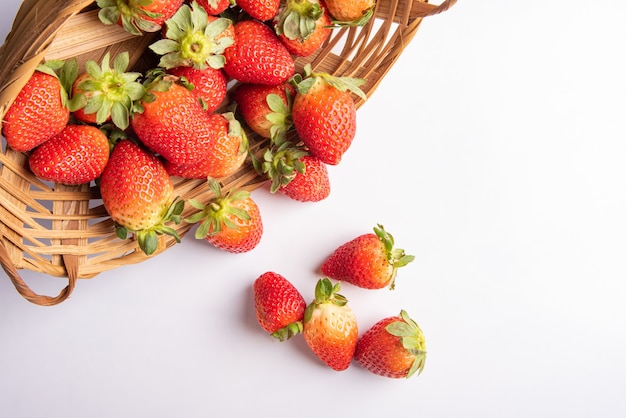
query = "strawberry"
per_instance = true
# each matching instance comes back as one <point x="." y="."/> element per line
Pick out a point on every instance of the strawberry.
<point x="330" y="327"/>
<point x="278" y="305"/>
<point x="227" y="155"/>
<point x="40" y="110"/>
<point x="394" y="347"/>
<point x="311" y="185"/>
<point x="194" y="39"/>
<point x="231" y="221"/>
<point x="265" y="109"/>
<point x="280" y="162"/>
<point x="303" y="26"/>
<point x="369" y="261"/>
<point x="209" y="85"/>
<point x="137" y="16"/>
<point x="138" y="194"/>
<point x="214" y="7"/>
<point x="102" y="93"/>
<point x="172" y="123"/>
<point x="261" y="10"/>
<point x="351" y="12"/>
<point x="258" y="56"/>
<point x="324" y="113"/>
<point x="76" y="155"/>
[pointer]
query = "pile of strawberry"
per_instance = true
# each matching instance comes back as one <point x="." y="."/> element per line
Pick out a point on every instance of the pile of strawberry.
<point x="130" y="132"/>
<point x="393" y="347"/>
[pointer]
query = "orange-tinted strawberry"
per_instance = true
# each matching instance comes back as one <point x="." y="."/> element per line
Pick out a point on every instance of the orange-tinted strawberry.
<point x="172" y="122"/>
<point x="40" y="110"/>
<point x="265" y="109"/>
<point x="137" y="16"/>
<point x="258" y="56"/>
<point x="303" y="26"/>
<point x="209" y="85"/>
<point x="324" y="114"/>
<point x="104" y="93"/>
<point x="330" y="327"/>
<point x="351" y="12"/>
<point x="194" y="39"/>
<point x="214" y="7"/>
<point x="394" y="347"/>
<point x="76" y="155"/>
<point x="261" y="10"/>
<point x="311" y="185"/>
<point x="230" y="221"/>
<point x="369" y="261"/>
<point x="227" y="155"/>
<point x="278" y="305"/>
<point x="138" y="194"/>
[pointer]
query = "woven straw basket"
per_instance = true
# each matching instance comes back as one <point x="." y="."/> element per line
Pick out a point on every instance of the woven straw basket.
<point x="64" y="231"/>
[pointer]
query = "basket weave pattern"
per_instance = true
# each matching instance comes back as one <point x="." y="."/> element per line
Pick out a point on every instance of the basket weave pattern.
<point x="64" y="231"/>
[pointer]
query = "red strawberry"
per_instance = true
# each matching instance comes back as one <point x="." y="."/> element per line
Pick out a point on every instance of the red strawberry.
<point x="209" y="85"/>
<point x="138" y="194"/>
<point x="369" y="261"/>
<point x="351" y="12"/>
<point x="278" y="305"/>
<point x="260" y="9"/>
<point x="330" y="327"/>
<point x="303" y="26"/>
<point x="173" y="123"/>
<point x="231" y="221"/>
<point x="280" y="163"/>
<point x="227" y="155"/>
<point x="214" y="7"/>
<point x="137" y="16"/>
<point x="324" y="114"/>
<point x="312" y="185"/>
<point x="76" y="155"/>
<point x="40" y="110"/>
<point x="194" y="39"/>
<point x="394" y="347"/>
<point x="103" y="93"/>
<point x="265" y="109"/>
<point x="258" y="56"/>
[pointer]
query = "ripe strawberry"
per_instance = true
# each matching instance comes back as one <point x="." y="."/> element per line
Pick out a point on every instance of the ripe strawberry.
<point x="303" y="26"/>
<point x="369" y="261"/>
<point x="330" y="327"/>
<point x="351" y="12"/>
<point x="265" y="109"/>
<point x="324" y="114"/>
<point x="209" y="85"/>
<point x="137" y="16"/>
<point x="261" y="10"/>
<point x="76" y="155"/>
<point x="214" y="7"/>
<point x="258" y="56"/>
<point x="138" y="194"/>
<point x="228" y="152"/>
<point x="278" y="305"/>
<point x="194" y="39"/>
<point x="394" y="347"/>
<point x="231" y="222"/>
<point x="312" y="185"/>
<point x="172" y="122"/>
<point x="102" y="93"/>
<point x="40" y="110"/>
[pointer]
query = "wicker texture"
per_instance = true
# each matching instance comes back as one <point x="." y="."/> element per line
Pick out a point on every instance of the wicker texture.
<point x="64" y="231"/>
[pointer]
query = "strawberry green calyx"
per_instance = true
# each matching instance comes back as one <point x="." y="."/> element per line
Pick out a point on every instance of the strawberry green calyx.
<point x="193" y="40"/>
<point x="288" y="331"/>
<point x="412" y="339"/>
<point x="280" y="117"/>
<point x="108" y="92"/>
<point x="148" y="239"/>
<point x="132" y="15"/>
<point x="396" y="256"/>
<point x="304" y="82"/>
<point x="215" y="215"/>
<point x="298" y="19"/>
<point x="280" y="163"/>
<point x="325" y="292"/>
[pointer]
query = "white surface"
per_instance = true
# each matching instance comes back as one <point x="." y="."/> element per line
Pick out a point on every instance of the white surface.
<point x="493" y="151"/>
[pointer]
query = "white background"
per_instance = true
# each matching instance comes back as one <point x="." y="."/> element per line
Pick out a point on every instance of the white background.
<point x="493" y="151"/>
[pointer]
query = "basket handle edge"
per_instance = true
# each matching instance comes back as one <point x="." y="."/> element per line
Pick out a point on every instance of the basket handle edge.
<point x="425" y="9"/>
